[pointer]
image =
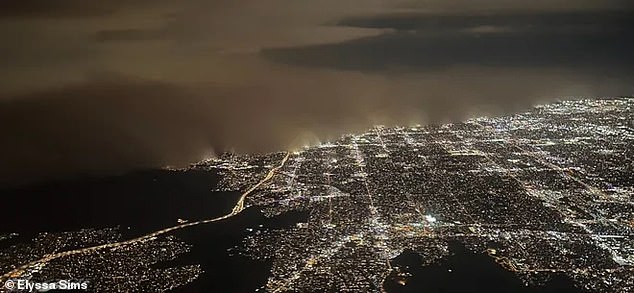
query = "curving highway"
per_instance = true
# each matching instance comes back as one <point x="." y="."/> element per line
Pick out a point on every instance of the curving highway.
<point x="238" y="208"/>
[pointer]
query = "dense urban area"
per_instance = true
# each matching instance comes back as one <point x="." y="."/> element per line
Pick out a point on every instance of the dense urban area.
<point x="546" y="192"/>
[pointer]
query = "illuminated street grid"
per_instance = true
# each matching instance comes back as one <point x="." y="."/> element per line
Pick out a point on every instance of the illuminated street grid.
<point x="545" y="192"/>
<point x="550" y="191"/>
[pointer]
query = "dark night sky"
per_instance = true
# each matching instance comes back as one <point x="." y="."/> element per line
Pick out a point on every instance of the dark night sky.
<point x="100" y="87"/>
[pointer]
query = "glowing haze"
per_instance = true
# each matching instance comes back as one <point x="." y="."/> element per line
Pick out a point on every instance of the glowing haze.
<point x="117" y="85"/>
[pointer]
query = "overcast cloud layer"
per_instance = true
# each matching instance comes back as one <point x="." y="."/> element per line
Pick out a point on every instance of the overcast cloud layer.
<point x="103" y="87"/>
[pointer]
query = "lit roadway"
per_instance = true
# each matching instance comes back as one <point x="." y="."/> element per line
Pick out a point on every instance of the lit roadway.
<point x="238" y="208"/>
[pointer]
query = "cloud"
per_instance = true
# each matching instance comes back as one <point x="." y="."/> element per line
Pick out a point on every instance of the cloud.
<point x="591" y="41"/>
<point x="131" y="35"/>
<point x="503" y="6"/>
<point x="112" y="125"/>
<point x="142" y="84"/>
<point x="63" y="8"/>
<point x="97" y="127"/>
